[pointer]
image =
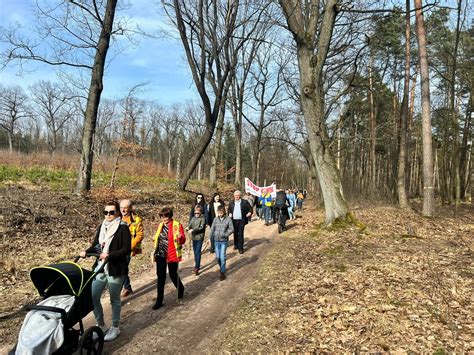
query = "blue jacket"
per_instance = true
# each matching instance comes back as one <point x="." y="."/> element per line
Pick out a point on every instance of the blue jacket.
<point x="292" y="199"/>
<point x="265" y="200"/>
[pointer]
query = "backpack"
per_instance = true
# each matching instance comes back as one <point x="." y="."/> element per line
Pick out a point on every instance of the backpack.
<point x="280" y="200"/>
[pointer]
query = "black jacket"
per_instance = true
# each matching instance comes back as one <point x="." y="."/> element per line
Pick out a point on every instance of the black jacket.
<point x="211" y="214"/>
<point x="119" y="248"/>
<point x="244" y="208"/>
<point x="281" y="199"/>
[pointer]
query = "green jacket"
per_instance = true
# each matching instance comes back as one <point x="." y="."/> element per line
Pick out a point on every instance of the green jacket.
<point x="198" y="225"/>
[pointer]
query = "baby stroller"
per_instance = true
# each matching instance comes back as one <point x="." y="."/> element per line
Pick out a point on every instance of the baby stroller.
<point x="48" y="326"/>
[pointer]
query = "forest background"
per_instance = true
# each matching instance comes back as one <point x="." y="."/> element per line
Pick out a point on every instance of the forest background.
<point x="359" y="103"/>
<point x="258" y="127"/>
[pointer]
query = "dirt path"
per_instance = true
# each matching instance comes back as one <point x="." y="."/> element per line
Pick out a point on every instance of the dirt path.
<point x="207" y="301"/>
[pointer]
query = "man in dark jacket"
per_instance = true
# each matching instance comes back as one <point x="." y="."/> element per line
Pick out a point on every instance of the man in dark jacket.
<point x="240" y="211"/>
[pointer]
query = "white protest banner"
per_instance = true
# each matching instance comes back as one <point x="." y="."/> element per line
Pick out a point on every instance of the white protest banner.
<point x="255" y="190"/>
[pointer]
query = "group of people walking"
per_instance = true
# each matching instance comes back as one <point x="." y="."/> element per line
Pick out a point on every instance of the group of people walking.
<point x="283" y="205"/>
<point x="118" y="238"/>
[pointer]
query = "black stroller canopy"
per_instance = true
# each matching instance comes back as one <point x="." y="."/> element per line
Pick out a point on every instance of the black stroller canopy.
<point x="66" y="278"/>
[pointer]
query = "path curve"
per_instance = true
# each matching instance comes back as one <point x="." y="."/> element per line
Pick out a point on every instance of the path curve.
<point x="193" y="325"/>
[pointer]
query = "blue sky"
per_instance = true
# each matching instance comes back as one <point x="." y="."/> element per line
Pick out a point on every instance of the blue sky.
<point x="159" y="62"/>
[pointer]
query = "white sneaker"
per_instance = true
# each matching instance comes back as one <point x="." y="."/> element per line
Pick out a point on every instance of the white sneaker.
<point x="104" y="330"/>
<point x="112" y="334"/>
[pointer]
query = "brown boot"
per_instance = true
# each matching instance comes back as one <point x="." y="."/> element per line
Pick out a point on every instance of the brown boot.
<point x="222" y="276"/>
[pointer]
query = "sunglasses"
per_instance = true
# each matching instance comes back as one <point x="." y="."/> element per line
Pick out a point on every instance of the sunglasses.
<point x="110" y="213"/>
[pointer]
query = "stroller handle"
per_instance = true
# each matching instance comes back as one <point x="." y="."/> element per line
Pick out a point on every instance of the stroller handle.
<point x="96" y="255"/>
<point x="77" y="258"/>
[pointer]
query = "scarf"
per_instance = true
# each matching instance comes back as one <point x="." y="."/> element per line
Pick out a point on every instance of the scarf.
<point x="106" y="234"/>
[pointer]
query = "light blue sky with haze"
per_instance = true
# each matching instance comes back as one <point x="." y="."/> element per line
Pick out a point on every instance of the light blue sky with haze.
<point x="158" y="61"/>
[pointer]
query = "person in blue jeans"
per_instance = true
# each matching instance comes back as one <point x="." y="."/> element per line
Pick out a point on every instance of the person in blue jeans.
<point x="221" y="229"/>
<point x="265" y="200"/>
<point x="291" y="198"/>
<point x="197" y="228"/>
<point x="114" y="242"/>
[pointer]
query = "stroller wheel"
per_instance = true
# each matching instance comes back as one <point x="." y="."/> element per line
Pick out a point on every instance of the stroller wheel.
<point x="88" y="345"/>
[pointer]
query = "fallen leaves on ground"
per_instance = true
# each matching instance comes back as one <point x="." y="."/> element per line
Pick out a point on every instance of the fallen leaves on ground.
<point x="406" y="284"/>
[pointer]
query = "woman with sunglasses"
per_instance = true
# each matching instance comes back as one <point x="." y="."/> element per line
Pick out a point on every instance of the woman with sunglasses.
<point x="113" y="242"/>
<point x="199" y="200"/>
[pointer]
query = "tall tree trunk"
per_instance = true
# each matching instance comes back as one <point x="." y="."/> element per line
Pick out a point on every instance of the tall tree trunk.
<point x="471" y="164"/>
<point x="311" y="63"/>
<point x="402" y="147"/>
<point x="238" y="148"/>
<point x="93" y="100"/>
<point x="331" y="189"/>
<point x="237" y="107"/>
<point x="338" y="153"/>
<point x="10" y="142"/>
<point x="198" y="152"/>
<point x="257" y="169"/>
<point x="466" y="136"/>
<point x="217" y="149"/>
<point x="353" y="158"/>
<point x="373" y="130"/>
<point x="257" y="150"/>
<point x="206" y="64"/>
<point x="170" y="150"/>
<point x="428" y="188"/>
<point x="454" y="115"/>
<point x="115" y="168"/>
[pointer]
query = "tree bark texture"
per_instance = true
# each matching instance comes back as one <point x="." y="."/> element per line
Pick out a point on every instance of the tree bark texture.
<point x="373" y="129"/>
<point x="428" y="188"/>
<point x="217" y="149"/>
<point x="464" y="156"/>
<point x="402" y="146"/>
<point x="212" y="54"/>
<point x="454" y="115"/>
<point x="311" y="62"/>
<point x="93" y="100"/>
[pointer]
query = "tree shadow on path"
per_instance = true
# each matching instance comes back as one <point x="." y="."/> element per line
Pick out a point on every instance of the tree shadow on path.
<point x="205" y="291"/>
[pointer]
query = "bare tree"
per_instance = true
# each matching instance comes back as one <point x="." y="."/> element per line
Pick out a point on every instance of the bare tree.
<point x="13" y="108"/>
<point x="106" y="119"/>
<point x="311" y="26"/>
<point x="125" y="145"/>
<point x="238" y="92"/>
<point x="267" y="77"/>
<point x="77" y="35"/>
<point x="170" y="124"/>
<point x="428" y="176"/>
<point x="205" y="28"/>
<point x="54" y="106"/>
<point x="241" y="73"/>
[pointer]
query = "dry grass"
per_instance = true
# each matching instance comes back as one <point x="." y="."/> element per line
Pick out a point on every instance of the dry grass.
<point x="128" y="166"/>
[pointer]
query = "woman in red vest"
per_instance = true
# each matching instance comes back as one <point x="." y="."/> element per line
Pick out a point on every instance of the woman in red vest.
<point x="169" y="239"/>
